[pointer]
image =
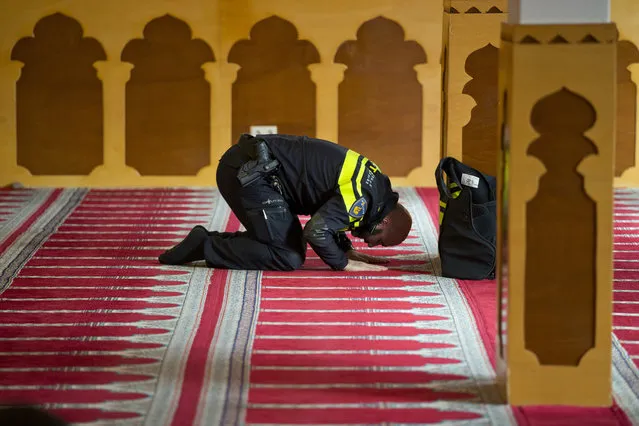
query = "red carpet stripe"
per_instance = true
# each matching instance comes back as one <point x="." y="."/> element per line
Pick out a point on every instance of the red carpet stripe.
<point x="356" y="359"/>
<point x="38" y="379"/>
<point x="116" y="253"/>
<point x="195" y="371"/>
<point x="71" y="396"/>
<point x="102" y="282"/>
<point x="355" y="395"/>
<point x="64" y="261"/>
<point x="350" y="344"/>
<point x="353" y="415"/>
<point x="61" y="331"/>
<point x="85" y="305"/>
<point x="124" y="237"/>
<point x="63" y="346"/>
<point x="66" y="361"/>
<point x="101" y="244"/>
<point x="348" y="305"/>
<point x="354" y="330"/>
<point x="335" y="377"/>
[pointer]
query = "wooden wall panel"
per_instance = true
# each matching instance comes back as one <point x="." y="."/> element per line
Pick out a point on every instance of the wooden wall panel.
<point x="470" y="94"/>
<point x="380" y="99"/>
<point x="168" y="100"/>
<point x="627" y="55"/>
<point x="479" y="136"/>
<point x="474" y="140"/>
<point x="556" y="192"/>
<point x="274" y="85"/>
<point x="221" y="25"/>
<point x="58" y="99"/>
<point x="625" y="14"/>
<point x="181" y="80"/>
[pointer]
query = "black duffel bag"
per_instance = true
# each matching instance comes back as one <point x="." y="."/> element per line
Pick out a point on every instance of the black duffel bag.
<point x="467" y="221"/>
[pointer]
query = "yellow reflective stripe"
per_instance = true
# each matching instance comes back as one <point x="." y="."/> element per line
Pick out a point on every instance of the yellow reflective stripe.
<point x="455" y="191"/>
<point x="358" y="183"/>
<point x="360" y="175"/>
<point x="345" y="181"/>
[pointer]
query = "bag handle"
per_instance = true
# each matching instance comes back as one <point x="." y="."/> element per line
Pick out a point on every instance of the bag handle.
<point x="450" y="166"/>
<point x="444" y="164"/>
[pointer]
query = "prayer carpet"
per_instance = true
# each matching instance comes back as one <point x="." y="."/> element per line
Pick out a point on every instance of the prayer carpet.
<point x="96" y="331"/>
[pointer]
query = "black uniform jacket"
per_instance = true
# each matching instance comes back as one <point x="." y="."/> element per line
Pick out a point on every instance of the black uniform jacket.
<point x="340" y="189"/>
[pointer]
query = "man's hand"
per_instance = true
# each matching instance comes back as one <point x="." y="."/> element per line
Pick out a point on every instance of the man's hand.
<point x="359" y="266"/>
<point x="361" y="257"/>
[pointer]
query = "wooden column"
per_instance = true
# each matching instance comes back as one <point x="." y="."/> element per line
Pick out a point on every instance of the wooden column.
<point x="114" y="76"/>
<point x="327" y="77"/>
<point x="427" y="74"/>
<point x="469" y="81"/>
<point x="557" y="118"/>
<point x="221" y="76"/>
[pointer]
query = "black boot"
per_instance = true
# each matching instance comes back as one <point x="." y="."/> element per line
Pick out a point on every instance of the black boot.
<point x="189" y="250"/>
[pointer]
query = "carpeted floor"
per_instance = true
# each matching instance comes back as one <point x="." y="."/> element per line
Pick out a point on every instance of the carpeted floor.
<point x="96" y="331"/>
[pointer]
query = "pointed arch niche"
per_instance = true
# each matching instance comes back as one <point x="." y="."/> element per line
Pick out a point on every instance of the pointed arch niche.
<point x="380" y="98"/>
<point x="168" y="100"/>
<point x="562" y="273"/>
<point x="59" y="99"/>
<point x="273" y="85"/>
<point x="479" y="136"/>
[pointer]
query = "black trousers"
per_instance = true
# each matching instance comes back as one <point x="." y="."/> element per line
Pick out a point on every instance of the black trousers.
<point x="273" y="239"/>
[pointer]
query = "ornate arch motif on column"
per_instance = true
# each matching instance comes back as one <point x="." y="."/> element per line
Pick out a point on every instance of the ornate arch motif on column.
<point x="561" y="237"/>
<point x="59" y="99"/>
<point x="479" y="136"/>
<point x="380" y="98"/>
<point x="273" y="85"/>
<point x="627" y="54"/>
<point x="168" y="98"/>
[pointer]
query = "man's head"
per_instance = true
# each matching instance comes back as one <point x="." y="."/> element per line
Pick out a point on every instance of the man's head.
<point x="392" y="230"/>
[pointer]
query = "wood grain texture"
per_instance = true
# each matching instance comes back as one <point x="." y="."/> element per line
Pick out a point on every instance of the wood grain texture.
<point x="561" y="227"/>
<point x="627" y="54"/>
<point x="380" y="98"/>
<point x="59" y="99"/>
<point x="168" y="100"/>
<point x="479" y="136"/>
<point x="273" y="85"/>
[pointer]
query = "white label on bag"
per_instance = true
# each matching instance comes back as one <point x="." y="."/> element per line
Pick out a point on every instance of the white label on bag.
<point x="470" y="180"/>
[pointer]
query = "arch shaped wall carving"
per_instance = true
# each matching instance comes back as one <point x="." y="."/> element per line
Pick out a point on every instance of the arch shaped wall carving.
<point x="220" y="25"/>
<point x="140" y="142"/>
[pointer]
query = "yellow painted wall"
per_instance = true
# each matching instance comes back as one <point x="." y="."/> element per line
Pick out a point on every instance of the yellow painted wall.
<point x="220" y="23"/>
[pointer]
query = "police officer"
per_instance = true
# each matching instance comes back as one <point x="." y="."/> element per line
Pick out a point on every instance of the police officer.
<point x="269" y="180"/>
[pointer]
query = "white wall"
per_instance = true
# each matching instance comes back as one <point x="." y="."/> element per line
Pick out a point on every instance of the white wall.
<point x="558" y="11"/>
